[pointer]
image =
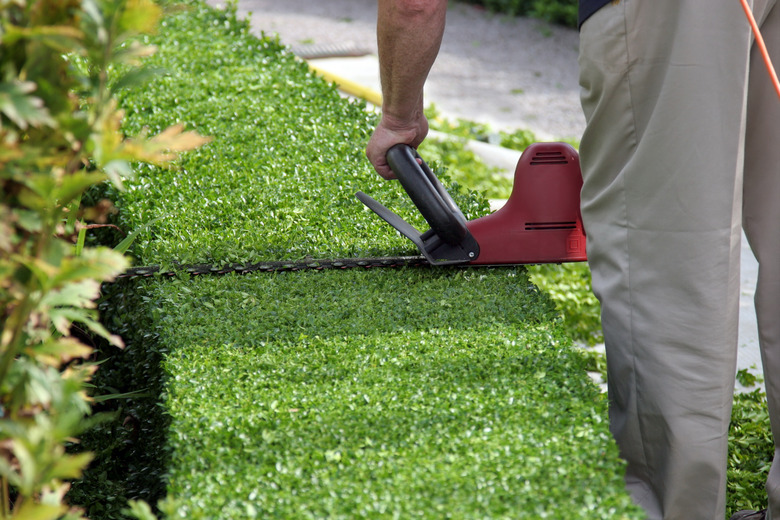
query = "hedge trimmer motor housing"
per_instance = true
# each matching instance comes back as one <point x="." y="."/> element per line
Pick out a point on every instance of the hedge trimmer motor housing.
<point x="540" y="223"/>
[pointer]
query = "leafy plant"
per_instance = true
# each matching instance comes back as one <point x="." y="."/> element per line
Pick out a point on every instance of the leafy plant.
<point x="59" y="128"/>
<point x="746" y="379"/>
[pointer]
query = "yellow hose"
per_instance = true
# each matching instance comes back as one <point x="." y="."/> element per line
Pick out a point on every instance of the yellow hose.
<point x="350" y="87"/>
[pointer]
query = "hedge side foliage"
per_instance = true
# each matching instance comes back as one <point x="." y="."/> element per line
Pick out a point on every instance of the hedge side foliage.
<point x="409" y="393"/>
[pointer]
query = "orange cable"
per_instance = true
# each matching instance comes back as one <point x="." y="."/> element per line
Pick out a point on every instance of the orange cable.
<point x="761" y="46"/>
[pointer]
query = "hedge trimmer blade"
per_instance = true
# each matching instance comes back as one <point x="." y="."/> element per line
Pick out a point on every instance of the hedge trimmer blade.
<point x="276" y="266"/>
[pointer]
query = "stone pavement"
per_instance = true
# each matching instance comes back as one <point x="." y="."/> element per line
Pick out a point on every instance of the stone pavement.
<point x="506" y="72"/>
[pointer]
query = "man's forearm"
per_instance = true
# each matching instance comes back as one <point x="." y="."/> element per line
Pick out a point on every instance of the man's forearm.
<point x="409" y="33"/>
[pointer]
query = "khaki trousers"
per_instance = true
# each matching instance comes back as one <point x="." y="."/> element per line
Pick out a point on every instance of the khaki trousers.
<point x="677" y="110"/>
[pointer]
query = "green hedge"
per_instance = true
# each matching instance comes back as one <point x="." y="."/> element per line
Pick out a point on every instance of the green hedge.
<point x="411" y="393"/>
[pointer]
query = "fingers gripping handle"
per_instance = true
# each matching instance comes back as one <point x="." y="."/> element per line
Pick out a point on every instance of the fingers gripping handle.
<point x="448" y="241"/>
<point x="427" y="193"/>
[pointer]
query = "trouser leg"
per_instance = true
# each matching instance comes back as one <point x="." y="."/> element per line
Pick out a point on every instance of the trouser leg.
<point x="762" y="221"/>
<point x="663" y="90"/>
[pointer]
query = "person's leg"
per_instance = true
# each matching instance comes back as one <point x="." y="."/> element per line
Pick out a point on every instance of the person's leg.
<point x="663" y="90"/>
<point x="762" y="220"/>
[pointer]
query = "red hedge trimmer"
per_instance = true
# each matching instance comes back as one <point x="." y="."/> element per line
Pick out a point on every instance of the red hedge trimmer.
<point x="540" y="223"/>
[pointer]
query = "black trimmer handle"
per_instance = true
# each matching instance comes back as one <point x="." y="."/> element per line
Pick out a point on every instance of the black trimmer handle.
<point x="428" y="194"/>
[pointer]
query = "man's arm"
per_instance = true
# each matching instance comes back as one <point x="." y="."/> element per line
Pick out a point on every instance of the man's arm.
<point x="409" y="33"/>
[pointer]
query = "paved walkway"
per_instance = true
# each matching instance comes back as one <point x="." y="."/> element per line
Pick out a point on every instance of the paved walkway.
<point x="506" y="72"/>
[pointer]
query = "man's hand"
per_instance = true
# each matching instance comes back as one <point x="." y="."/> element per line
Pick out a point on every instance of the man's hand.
<point x="390" y="133"/>
<point x="409" y="33"/>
